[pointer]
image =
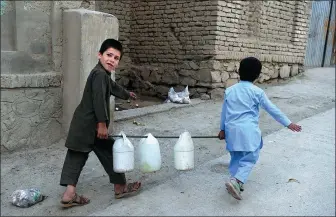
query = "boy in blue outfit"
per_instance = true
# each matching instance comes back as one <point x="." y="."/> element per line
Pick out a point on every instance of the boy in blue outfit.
<point x="239" y="124"/>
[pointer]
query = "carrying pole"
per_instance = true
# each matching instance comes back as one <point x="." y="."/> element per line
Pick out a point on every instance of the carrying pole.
<point x="166" y="137"/>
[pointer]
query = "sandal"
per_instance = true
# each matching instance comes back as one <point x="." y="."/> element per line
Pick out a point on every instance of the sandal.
<point x="73" y="202"/>
<point x="233" y="189"/>
<point x="130" y="190"/>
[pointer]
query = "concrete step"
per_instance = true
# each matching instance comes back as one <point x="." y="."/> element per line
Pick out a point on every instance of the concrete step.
<point x="37" y="79"/>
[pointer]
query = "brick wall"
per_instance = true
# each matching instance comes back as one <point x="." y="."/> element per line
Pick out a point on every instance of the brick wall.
<point x="177" y="37"/>
<point x="122" y="10"/>
<point x="200" y="43"/>
<point x="168" y="31"/>
<point x="273" y="31"/>
<point x="267" y="27"/>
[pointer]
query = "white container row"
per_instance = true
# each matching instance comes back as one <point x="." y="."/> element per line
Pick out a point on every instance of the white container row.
<point x="150" y="155"/>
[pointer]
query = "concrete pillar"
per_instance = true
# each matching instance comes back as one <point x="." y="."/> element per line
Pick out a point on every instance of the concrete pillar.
<point x="56" y="22"/>
<point x="83" y="32"/>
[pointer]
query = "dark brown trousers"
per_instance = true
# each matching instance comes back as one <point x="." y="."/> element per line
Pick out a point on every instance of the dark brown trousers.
<point x="75" y="161"/>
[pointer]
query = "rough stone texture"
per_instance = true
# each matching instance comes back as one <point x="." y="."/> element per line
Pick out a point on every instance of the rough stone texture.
<point x="225" y="76"/>
<point x="30" y="117"/>
<point x="217" y="94"/>
<point x="51" y="79"/>
<point x="200" y="43"/>
<point x="284" y="71"/>
<point x="205" y="96"/>
<point x="294" y="70"/>
<point x="275" y="73"/>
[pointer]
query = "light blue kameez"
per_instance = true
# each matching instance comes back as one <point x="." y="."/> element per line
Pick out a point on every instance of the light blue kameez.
<point x="240" y="121"/>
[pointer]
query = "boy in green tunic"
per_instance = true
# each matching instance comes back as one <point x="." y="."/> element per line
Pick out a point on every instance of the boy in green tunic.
<point x="89" y="128"/>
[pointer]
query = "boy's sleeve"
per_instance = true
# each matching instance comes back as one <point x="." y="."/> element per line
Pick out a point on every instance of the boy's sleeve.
<point x="99" y="86"/>
<point x="119" y="91"/>
<point x="273" y="110"/>
<point x="223" y="115"/>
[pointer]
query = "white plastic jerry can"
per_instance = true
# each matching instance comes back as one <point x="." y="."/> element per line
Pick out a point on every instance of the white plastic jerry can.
<point x="123" y="154"/>
<point x="184" y="152"/>
<point x="149" y="154"/>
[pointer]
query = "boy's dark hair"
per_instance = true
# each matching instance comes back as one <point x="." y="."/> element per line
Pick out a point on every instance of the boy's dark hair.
<point x="110" y="42"/>
<point x="249" y="69"/>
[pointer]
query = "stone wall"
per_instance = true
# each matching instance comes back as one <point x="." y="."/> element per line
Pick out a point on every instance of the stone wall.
<point x="200" y="43"/>
<point x="31" y="110"/>
<point x="167" y="41"/>
<point x="31" y="72"/>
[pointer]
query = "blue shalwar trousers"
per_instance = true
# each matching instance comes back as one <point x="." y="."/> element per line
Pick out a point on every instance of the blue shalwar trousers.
<point x="242" y="162"/>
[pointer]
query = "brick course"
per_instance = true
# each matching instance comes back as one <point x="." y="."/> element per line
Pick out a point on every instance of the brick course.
<point x="200" y="43"/>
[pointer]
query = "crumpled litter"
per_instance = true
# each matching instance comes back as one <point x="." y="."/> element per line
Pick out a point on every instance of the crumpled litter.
<point x="293" y="180"/>
<point x="178" y="97"/>
<point x="138" y="123"/>
<point x="27" y="197"/>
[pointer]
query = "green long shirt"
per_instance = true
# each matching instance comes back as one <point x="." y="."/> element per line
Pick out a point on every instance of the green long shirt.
<point x="93" y="108"/>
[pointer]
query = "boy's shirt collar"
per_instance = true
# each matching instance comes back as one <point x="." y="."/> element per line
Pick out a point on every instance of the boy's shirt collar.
<point x="245" y="82"/>
<point x="102" y="67"/>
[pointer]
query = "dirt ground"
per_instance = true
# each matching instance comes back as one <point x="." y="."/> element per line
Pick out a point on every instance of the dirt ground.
<point x="300" y="97"/>
<point x="141" y="101"/>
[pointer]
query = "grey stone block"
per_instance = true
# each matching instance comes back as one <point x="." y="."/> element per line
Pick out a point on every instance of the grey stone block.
<point x="47" y="79"/>
<point x="217" y="94"/>
<point x="30" y="117"/>
<point x="205" y="96"/>
<point x="216" y="76"/>
<point x="284" y="71"/>
<point x="294" y="70"/>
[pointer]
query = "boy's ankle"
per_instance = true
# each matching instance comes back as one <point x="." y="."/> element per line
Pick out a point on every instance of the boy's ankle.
<point x="240" y="183"/>
<point x="237" y="180"/>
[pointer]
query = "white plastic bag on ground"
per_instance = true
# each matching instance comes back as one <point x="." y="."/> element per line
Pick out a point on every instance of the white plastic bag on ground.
<point x="179" y="97"/>
<point x="123" y="154"/>
<point x="149" y="154"/>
